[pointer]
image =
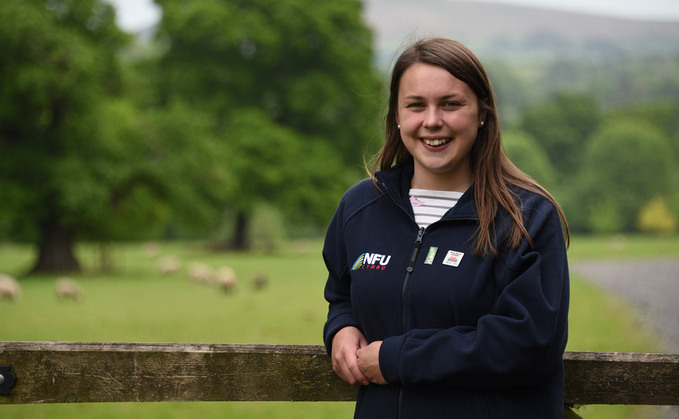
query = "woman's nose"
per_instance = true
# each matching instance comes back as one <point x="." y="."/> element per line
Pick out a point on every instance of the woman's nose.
<point x="432" y="118"/>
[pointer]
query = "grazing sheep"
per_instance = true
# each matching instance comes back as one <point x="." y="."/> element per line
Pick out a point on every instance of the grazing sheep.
<point x="9" y="288"/>
<point x="169" y="265"/>
<point x="302" y="246"/>
<point x="260" y="281"/>
<point x="151" y="250"/>
<point x="201" y="273"/>
<point x="67" y="289"/>
<point x="225" y="279"/>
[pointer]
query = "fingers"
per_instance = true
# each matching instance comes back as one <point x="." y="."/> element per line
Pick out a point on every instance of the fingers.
<point x="369" y="362"/>
<point x="345" y="345"/>
<point x="345" y="365"/>
<point x="351" y="373"/>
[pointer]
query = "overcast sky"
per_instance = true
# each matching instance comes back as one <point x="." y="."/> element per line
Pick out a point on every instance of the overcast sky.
<point x="134" y="15"/>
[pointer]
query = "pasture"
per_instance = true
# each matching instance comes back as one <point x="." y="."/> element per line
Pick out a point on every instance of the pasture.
<point x="136" y="303"/>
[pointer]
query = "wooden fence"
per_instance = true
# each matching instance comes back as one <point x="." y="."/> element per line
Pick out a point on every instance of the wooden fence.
<point x="65" y="372"/>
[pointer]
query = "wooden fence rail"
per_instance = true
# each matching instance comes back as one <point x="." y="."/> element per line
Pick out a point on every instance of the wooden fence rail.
<point x="59" y="372"/>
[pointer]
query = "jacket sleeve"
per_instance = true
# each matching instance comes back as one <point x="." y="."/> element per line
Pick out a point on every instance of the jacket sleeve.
<point x="338" y="285"/>
<point x="520" y="342"/>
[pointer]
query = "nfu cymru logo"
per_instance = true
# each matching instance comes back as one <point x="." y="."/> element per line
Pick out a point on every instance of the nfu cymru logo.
<point x="371" y="261"/>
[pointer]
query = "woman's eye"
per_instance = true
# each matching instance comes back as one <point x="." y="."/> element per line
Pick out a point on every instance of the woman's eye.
<point x="415" y="105"/>
<point x="451" y="105"/>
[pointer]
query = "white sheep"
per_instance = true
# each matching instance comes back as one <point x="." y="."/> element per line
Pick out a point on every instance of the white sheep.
<point x="302" y="246"/>
<point x="67" y="289"/>
<point x="9" y="288"/>
<point x="151" y="250"/>
<point x="169" y="265"/>
<point x="201" y="273"/>
<point x="225" y="279"/>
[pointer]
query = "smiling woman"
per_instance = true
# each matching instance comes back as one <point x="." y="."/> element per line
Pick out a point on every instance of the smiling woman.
<point x="438" y="116"/>
<point x="477" y="324"/>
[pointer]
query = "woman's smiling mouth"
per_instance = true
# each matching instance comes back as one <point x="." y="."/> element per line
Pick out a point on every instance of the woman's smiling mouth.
<point x="436" y="142"/>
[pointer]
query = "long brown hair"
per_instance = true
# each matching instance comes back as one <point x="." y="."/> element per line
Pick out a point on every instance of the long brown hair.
<point x="493" y="172"/>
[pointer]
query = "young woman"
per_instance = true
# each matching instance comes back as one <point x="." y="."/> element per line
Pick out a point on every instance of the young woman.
<point x="448" y="280"/>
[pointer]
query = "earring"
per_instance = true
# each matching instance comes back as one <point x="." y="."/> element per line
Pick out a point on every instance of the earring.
<point x="483" y="123"/>
<point x="398" y="126"/>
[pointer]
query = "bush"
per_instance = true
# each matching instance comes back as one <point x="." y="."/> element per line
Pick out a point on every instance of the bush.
<point x="656" y="217"/>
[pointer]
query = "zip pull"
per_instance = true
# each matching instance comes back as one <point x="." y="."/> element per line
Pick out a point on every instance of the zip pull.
<point x="420" y="234"/>
<point x="409" y="270"/>
<point x="418" y="245"/>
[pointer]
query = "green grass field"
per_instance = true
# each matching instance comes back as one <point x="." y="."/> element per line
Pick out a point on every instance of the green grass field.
<point x="135" y="303"/>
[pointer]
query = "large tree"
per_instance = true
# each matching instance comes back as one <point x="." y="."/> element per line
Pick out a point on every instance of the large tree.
<point x="77" y="159"/>
<point x="305" y="66"/>
<point x="626" y="164"/>
<point x="300" y="175"/>
<point x="57" y="60"/>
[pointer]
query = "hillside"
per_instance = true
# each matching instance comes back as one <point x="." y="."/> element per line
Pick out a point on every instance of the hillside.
<point x="492" y="29"/>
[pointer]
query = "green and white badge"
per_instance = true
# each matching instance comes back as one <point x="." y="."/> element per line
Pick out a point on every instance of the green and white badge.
<point x="431" y="255"/>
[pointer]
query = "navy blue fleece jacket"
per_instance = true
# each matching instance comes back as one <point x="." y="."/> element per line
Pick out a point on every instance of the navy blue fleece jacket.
<point x="463" y="336"/>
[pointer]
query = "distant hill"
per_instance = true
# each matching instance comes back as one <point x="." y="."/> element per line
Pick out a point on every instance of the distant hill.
<point x="494" y="30"/>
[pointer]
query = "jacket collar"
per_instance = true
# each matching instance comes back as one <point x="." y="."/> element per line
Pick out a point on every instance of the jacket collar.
<point x="395" y="182"/>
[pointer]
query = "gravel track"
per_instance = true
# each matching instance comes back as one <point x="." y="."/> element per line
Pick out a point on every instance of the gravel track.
<point x="651" y="286"/>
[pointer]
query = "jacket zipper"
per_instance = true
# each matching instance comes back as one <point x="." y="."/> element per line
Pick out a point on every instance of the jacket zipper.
<point x="409" y="270"/>
<point x="404" y="323"/>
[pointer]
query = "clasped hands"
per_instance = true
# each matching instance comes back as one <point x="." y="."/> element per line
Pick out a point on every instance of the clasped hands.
<point x="353" y="360"/>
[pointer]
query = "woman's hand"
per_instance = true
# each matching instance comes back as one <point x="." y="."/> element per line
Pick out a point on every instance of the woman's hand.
<point x="369" y="362"/>
<point x="345" y="345"/>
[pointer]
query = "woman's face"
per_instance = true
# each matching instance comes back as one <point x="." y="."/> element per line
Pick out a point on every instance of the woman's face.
<point x="439" y="119"/>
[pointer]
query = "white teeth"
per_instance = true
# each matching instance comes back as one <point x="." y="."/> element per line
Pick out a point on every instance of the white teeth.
<point x="436" y="142"/>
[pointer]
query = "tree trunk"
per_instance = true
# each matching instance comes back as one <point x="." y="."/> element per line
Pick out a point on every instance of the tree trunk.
<point x="106" y="262"/>
<point x="241" y="240"/>
<point x="56" y="249"/>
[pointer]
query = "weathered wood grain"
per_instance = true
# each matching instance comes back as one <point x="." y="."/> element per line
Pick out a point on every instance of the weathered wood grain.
<point x="621" y="378"/>
<point x="55" y="372"/>
<point x="59" y="372"/>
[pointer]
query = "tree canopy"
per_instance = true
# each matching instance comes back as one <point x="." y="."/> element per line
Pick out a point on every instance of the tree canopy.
<point x="246" y="102"/>
<point x="626" y="164"/>
<point x="290" y="88"/>
<point x="307" y="64"/>
<point x="78" y="160"/>
<point x="57" y="63"/>
<point x="562" y="124"/>
<point x="527" y="154"/>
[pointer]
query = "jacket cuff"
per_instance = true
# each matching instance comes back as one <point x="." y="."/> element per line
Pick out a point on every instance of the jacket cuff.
<point x="390" y="359"/>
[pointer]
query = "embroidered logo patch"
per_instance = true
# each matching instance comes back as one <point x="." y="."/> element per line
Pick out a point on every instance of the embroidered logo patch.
<point x="371" y="261"/>
<point x="453" y="258"/>
<point x="431" y="255"/>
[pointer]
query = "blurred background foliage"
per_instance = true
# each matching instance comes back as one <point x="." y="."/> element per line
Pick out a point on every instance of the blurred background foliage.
<point x="242" y="119"/>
